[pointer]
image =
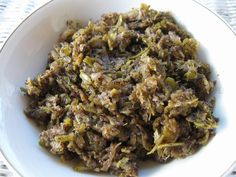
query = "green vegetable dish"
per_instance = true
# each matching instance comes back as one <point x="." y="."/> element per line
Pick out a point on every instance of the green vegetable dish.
<point x="124" y="89"/>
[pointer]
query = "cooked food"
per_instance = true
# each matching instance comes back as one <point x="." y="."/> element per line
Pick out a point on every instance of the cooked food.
<point x="127" y="88"/>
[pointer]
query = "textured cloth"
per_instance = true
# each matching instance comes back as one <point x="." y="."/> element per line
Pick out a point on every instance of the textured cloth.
<point x="13" y="12"/>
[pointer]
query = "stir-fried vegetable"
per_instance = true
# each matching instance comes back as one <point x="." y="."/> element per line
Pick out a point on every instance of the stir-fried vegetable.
<point x="127" y="88"/>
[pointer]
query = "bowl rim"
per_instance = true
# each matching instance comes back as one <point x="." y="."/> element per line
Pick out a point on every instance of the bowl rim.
<point x="10" y="166"/>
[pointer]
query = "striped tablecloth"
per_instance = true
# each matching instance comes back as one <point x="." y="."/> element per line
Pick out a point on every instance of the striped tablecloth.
<point x="12" y="12"/>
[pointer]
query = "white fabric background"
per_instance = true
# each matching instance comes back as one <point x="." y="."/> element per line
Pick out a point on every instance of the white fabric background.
<point x="12" y="12"/>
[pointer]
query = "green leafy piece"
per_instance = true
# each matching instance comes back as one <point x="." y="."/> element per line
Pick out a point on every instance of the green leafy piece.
<point x="157" y="140"/>
<point x="65" y="50"/>
<point x="24" y="90"/>
<point x="122" y="163"/>
<point x="140" y="54"/>
<point x="169" y="145"/>
<point x="208" y="123"/>
<point x="190" y="47"/>
<point x="42" y="143"/>
<point x="111" y="39"/>
<point x="65" y="138"/>
<point x="171" y="82"/>
<point x="85" y="78"/>
<point x="190" y="75"/>
<point x="68" y="122"/>
<point x="89" y="60"/>
<point x="120" y="21"/>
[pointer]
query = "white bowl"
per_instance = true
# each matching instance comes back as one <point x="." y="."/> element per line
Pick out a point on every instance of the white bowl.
<point x="25" y="54"/>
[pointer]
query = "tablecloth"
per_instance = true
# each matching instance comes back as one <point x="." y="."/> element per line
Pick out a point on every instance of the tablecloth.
<point x="13" y="12"/>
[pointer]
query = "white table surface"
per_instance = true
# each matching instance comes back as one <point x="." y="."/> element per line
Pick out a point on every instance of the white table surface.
<point x="13" y="12"/>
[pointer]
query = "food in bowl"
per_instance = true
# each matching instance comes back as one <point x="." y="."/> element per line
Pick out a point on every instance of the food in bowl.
<point x="127" y="88"/>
